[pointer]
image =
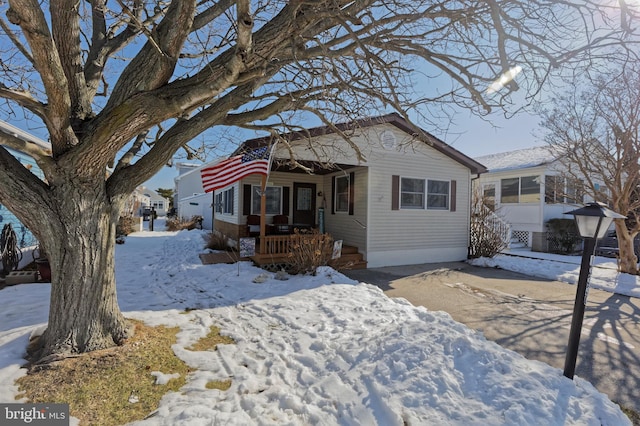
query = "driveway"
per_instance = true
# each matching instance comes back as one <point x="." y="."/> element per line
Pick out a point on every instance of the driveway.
<point x="530" y="316"/>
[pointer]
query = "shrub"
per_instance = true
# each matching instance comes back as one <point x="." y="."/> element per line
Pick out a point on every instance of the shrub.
<point x="178" y="224"/>
<point x="126" y="225"/>
<point x="217" y="241"/>
<point x="308" y="251"/>
<point x="488" y="231"/>
<point x="563" y="235"/>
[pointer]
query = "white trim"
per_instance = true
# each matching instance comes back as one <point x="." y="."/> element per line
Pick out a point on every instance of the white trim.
<point x="425" y="194"/>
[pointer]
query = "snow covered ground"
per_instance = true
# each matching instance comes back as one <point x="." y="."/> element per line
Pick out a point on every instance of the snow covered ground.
<point x="604" y="273"/>
<point x="315" y="350"/>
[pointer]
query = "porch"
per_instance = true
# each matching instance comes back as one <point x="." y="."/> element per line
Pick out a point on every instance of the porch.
<point x="274" y="252"/>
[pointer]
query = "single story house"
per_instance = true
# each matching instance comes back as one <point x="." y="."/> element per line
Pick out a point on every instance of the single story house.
<point x="394" y="193"/>
<point x="527" y="188"/>
<point x="157" y="201"/>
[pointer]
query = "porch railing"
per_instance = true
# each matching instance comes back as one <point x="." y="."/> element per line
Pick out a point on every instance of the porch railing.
<point x="282" y="244"/>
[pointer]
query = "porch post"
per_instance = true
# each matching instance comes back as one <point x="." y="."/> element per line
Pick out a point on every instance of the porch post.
<point x="263" y="214"/>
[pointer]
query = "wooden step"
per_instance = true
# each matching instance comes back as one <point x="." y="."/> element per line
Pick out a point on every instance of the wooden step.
<point x="349" y="261"/>
<point x="349" y="250"/>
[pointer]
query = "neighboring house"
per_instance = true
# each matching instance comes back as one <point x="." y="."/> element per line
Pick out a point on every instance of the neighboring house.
<point x="527" y="188"/>
<point x="190" y="198"/>
<point x="137" y="201"/>
<point x="181" y="188"/>
<point x="157" y="201"/>
<point x="25" y="238"/>
<point x="406" y="201"/>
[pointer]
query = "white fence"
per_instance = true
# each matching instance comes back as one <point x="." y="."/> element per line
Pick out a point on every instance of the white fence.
<point x="197" y="205"/>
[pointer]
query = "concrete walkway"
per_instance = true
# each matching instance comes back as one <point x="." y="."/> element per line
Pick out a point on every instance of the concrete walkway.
<point x="531" y="316"/>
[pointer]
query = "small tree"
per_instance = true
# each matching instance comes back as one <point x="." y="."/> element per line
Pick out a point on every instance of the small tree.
<point x="595" y="131"/>
<point x="489" y="232"/>
<point x="166" y="193"/>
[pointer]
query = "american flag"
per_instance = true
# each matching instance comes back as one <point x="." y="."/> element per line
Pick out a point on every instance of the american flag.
<point x="235" y="168"/>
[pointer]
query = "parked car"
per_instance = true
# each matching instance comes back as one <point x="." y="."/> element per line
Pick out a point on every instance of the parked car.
<point x="607" y="246"/>
<point x="146" y="213"/>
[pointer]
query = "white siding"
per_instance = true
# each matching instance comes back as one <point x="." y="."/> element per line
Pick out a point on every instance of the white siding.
<point x="187" y="185"/>
<point x="396" y="237"/>
<point x="197" y="205"/>
<point x="521" y="216"/>
<point x="237" y="197"/>
<point x="351" y="229"/>
<point x="405" y="236"/>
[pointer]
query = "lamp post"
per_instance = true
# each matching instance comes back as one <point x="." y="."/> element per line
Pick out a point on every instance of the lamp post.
<point x="593" y="221"/>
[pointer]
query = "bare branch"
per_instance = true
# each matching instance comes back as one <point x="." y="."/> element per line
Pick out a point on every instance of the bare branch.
<point x="16" y="42"/>
<point x="24" y="99"/>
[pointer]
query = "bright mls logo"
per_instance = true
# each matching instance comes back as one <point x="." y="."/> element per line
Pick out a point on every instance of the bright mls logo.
<point x="34" y="414"/>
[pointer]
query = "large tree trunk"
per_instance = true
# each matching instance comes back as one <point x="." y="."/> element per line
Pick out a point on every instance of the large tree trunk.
<point x="84" y="314"/>
<point x="628" y="261"/>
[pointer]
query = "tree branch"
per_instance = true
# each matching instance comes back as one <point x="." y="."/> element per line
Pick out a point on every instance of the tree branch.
<point x="24" y="99"/>
<point x="28" y="15"/>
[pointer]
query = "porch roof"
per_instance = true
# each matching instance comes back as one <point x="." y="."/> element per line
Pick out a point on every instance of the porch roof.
<point x="317" y="168"/>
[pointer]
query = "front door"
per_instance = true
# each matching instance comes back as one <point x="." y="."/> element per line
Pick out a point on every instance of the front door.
<point x="304" y="203"/>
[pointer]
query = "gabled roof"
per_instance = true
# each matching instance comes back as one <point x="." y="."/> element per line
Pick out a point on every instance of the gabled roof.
<point x="393" y="119"/>
<point x="519" y="159"/>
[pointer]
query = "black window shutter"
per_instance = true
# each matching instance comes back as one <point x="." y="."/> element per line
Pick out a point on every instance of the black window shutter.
<point x="285" y="200"/>
<point x="352" y="177"/>
<point x="246" y="200"/>
<point x="333" y="195"/>
<point x="232" y="198"/>
<point x="395" y="192"/>
<point x="452" y="202"/>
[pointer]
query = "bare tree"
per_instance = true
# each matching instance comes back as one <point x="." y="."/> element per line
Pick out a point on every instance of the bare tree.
<point x="595" y="130"/>
<point x="125" y="84"/>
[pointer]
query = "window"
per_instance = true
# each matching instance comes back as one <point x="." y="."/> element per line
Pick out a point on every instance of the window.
<point x="342" y="194"/>
<point x="553" y="189"/>
<point x="227" y="201"/>
<point x="224" y="201"/>
<point x="561" y="190"/>
<point x="509" y="189"/>
<point x="273" y="197"/>
<point x="412" y="193"/>
<point x="159" y="205"/>
<point x="437" y="195"/>
<point x="217" y="205"/>
<point x="575" y="192"/>
<point x="524" y="189"/>
<point x="529" y="189"/>
<point x="489" y="196"/>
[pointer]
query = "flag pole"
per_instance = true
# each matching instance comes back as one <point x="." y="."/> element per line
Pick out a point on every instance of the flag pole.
<point x="263" y="214"/>
<point x="263" y="203"/>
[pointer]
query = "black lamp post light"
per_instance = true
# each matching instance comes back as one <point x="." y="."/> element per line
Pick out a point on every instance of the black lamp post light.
<point x="593" y="221"/>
